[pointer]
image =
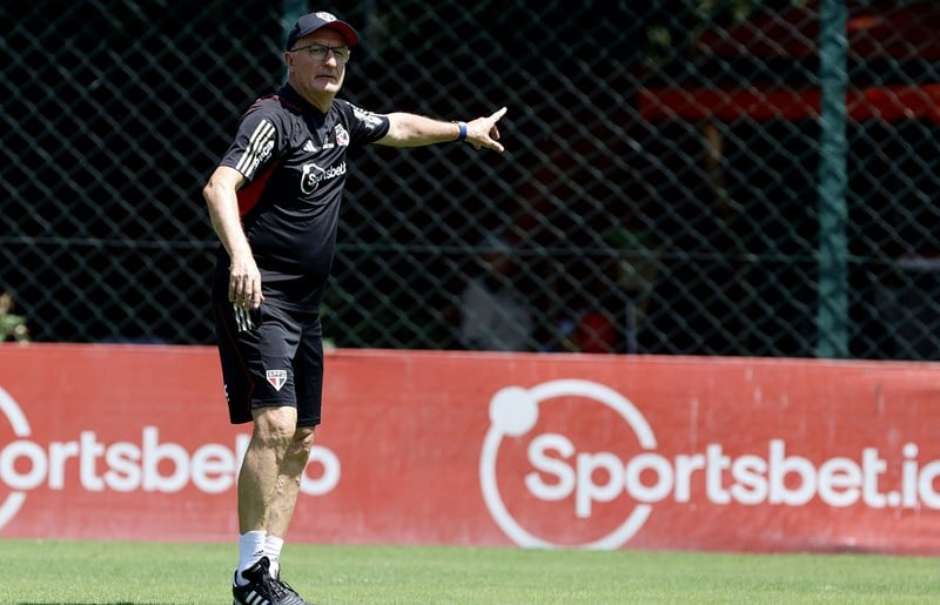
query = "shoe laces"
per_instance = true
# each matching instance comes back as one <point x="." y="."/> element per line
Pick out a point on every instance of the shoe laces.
<point x="275" y="586"/>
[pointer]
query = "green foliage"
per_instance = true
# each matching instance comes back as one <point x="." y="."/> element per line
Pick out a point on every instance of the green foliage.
<point x="11" y="326"/>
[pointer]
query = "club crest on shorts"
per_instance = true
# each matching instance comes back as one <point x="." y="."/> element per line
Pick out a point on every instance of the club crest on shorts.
<point x="277" y="378"/>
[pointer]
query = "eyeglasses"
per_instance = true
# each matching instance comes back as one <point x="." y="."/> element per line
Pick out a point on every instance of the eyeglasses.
<point x="320" y="52"/>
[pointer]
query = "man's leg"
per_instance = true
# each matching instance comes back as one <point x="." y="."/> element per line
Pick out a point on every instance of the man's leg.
<point x="258" y="480"/>
<point x="308" y="380"/>
<point x="269" y="481"/>
<point x="286" y="490"/>
<point x="257" y="368"/>
<point x="287" y="485"/>
<point x="278" y="489"/>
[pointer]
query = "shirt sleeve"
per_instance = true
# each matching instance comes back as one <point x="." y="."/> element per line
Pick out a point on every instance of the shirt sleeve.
<point x="364" y="126"/>
<point x="256" y="143"/>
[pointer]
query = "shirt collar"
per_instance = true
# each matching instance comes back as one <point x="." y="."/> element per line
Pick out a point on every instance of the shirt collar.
<point x="293" y="97"/>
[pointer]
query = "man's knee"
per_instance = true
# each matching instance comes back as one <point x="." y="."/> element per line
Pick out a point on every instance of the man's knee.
<point x="275" y="427"/>
<point x="300" y="443"/>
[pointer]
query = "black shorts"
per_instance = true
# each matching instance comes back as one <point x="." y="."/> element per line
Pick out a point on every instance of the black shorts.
<point x="277" y="363"/>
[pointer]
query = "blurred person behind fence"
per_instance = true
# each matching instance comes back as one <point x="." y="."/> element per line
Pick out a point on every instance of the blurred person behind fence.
<point x="494" y="314"/>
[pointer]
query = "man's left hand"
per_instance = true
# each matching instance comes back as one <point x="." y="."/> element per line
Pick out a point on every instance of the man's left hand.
<point x="483" y="133"/>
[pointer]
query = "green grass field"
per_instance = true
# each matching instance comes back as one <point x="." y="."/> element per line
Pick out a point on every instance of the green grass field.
<point x="117" y="573"/>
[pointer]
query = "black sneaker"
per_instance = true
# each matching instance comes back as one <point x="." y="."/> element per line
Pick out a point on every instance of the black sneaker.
<point x="262" y="589"/>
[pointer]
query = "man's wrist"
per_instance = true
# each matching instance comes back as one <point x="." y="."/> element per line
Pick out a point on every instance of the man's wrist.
<point x="241" y="254"/>
<point x="461" y="131"/>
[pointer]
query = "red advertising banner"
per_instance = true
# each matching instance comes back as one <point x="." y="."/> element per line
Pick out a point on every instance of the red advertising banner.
<point x="487" y="449"/>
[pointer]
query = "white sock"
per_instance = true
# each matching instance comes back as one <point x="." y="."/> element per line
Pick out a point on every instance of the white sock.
<point x="272" y="550"/>
<point x="250" y="549"/>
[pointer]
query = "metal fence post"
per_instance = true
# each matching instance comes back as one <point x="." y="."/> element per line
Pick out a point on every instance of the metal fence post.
<point x="833" y="306"/>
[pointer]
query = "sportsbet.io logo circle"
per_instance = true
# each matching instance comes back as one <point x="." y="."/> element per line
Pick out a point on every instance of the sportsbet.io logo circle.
<point x="14" y="415"/>
<point x="514" y="411"/>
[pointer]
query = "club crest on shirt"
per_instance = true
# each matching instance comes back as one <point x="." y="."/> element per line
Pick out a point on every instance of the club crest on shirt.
<point x="342" y="137"/>
<point x="277" y="378"/>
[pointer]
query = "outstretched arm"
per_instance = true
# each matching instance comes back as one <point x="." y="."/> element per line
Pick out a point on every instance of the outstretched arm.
<point x="410" y="130"/>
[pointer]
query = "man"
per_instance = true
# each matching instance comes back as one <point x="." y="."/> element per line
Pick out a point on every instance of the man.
<point x="274" y="201"/>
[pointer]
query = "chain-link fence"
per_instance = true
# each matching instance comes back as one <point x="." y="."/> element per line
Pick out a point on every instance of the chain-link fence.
<point x="680" y="177"/>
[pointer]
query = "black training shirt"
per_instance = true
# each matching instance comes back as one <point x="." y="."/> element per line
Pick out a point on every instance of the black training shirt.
<point x="294" y="159"/>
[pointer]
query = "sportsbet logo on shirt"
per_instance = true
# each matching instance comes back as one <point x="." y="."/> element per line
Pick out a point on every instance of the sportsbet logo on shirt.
<point x="313" y="175"/>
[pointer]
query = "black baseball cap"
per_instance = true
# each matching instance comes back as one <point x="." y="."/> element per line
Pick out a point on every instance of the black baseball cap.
<point x="314" y="21"/>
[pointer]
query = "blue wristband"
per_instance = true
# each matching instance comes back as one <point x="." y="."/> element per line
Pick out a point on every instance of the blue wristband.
<point x="462" y="134"/>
